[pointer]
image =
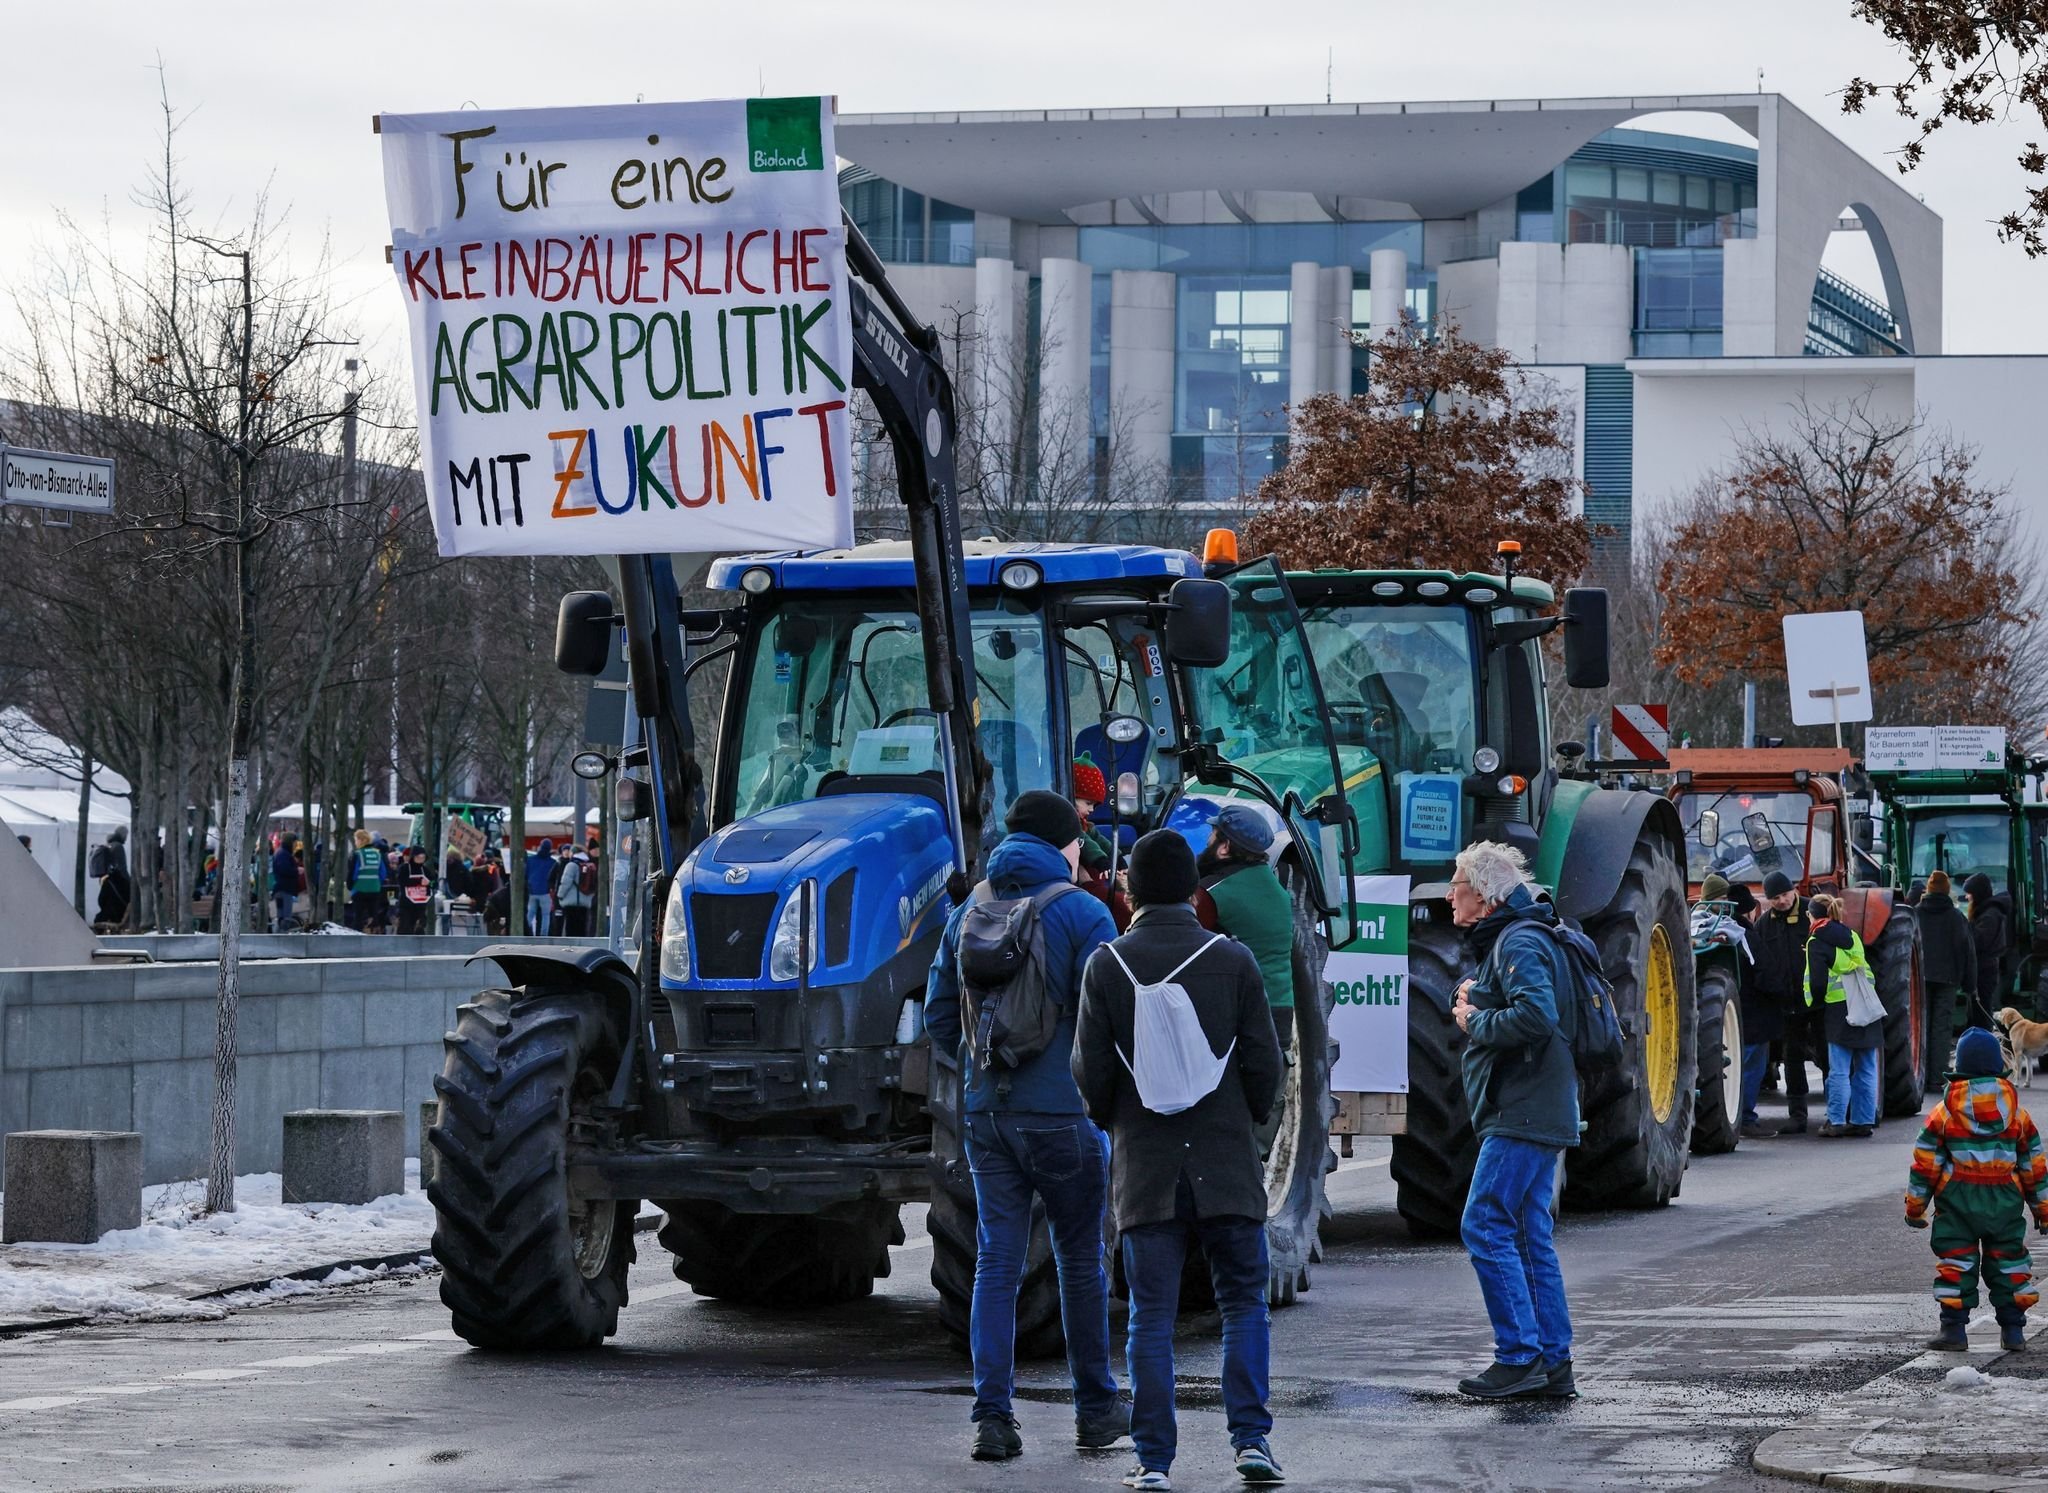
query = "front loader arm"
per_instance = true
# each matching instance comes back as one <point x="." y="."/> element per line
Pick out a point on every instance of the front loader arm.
<point x="896" y="360"/>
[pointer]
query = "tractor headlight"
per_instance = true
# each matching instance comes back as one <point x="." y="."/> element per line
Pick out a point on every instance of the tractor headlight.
<point x="1019" y="575"/>
<point x="1486" y="759"/>
<point x="675" y="936"/>
<point x="783" y="951"/>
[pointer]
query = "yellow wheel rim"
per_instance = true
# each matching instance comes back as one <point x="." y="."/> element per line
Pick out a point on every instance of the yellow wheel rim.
<point x="1660" y="1042"/>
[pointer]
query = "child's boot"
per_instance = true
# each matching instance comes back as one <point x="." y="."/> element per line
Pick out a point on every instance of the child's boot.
<point x="2012" y="1330"/>
<point x="1954" y="1336"/>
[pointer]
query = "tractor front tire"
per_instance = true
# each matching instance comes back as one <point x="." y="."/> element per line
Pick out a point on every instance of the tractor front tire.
<point x="1895" y="970"/>
<point x="1300" y="1160"/>
<point x="1717" y="1100"/>
<point x="952" y="1221"/>
<point x="782" y="1259"/>
<point x="1432" y="1162"/>
<point x="525" y="1264"/>
<point x="1638" y="1120"/>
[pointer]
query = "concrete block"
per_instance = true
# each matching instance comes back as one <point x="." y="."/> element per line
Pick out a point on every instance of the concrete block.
<point x="429" y="1117"/>
<point x="173" y="1108"/>
<point x="43" y="1036"/>
<point x="14" y="987"/>
<point x="76" y="986"/>
<point x="256" y="1024"/>
<point x="362" y="974"/>
<point x="281" y="977"/>
<point x="270" y="1087"/>
<point x="341" y="1019"/>
<point x="130" y="1031"/>
<point x="343" y="1155"/>
<point x="298" y="1022"/>
<point x="197" y="1027"/>
<point x="81" y="1098"/>
<point x="176" y="981"/>
<point x="404" y="1017"/>
<point x="71" y="1186"/>
<point x="363" y="1078"/>
<point x="13" y="1110"/>
<point x="453" y="974"/>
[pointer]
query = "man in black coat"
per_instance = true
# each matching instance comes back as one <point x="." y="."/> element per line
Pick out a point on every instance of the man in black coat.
<point x="1192" y="1176"/>
<point x="1948" y="963"/>
<point x="1778" y="943"/>
<point x="1991" y="928"/>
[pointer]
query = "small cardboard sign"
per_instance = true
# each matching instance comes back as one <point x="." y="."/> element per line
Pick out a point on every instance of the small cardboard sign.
<point x="1369" y="977"/>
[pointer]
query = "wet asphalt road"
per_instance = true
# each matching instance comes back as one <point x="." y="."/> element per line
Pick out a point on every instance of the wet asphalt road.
<point x="1780" y="1278"/>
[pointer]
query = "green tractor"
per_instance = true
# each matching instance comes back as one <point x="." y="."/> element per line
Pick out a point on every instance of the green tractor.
<point x="1436" y="686"/>
<point x="1963" y="821"/>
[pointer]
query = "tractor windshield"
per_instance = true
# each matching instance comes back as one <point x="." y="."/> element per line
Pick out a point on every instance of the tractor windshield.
<point x="1399" y="680"/>
<point x="1745" y="836"/>
<point x="835" y="689"/>
<point x="1961" y="842"/>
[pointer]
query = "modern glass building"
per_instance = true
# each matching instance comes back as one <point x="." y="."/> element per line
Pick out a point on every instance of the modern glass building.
<point x="1178" y="278"/>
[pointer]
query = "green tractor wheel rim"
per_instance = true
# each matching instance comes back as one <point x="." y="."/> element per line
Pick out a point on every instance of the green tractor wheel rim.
<point x="1660" y="1041"/>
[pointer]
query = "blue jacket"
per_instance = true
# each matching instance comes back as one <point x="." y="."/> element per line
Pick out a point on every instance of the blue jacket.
<point x="1519" y="1078"/>
<point x="284" y="872"/>
<point x="540" y="869"/>
<point x="1073" y="928"/>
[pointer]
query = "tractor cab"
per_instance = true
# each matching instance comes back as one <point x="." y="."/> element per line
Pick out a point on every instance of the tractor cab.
<point x="1749" y="812"/>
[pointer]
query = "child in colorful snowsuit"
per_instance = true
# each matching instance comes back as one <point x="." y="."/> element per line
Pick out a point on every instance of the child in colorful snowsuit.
<point x="1979" y="1161"/>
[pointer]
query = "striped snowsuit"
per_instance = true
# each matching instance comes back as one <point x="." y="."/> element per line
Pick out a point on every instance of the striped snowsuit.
<point x="1979" y="1160"/>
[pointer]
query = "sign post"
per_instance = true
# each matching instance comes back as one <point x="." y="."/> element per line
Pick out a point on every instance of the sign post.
<point x="629" y="324"/>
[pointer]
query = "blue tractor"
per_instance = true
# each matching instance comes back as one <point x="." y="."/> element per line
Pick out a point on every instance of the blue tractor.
<point x="762" y="1073"/>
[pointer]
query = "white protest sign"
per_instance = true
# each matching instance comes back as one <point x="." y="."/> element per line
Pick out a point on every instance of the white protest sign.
<point x="1933" y="748"/>
<point x="1369" y="976"/>
<point x="629" y="325"/>
<point x="1827" y="668"/>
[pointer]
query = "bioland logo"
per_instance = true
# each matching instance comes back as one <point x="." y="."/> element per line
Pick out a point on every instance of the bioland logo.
<point x="783" y="134"/>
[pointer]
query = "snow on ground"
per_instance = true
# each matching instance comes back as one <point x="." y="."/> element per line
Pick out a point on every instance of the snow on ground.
<point x="178" y="1251"/>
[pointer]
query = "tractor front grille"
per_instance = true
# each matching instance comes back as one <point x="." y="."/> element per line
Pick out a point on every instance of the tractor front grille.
<point x="728" y="934"/>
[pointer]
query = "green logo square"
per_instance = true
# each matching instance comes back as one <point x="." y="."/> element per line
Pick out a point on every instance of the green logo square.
<point x="783" y="134"/>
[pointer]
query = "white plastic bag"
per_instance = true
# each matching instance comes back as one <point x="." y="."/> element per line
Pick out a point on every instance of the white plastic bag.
<point x="1865" y="1005"/>
<point x="1171" y="1062"/>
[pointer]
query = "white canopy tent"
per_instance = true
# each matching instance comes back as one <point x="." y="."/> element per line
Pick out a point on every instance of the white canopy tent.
<point x="39" y="779"/>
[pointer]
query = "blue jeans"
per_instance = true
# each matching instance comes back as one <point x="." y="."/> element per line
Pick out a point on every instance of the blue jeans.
<point x="286" y="901"/>
<point x="1153" y="1256"/>
<point x="537" y="916"/>
<point x="1852" y="1085"/>
<point x="1755" y="1058"/>
<point x="1065" y="1161"/>
<point x="1507" y="1233"/>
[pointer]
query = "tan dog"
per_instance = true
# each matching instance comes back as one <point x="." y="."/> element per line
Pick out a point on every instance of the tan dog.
<point x="2026" y="1041"/>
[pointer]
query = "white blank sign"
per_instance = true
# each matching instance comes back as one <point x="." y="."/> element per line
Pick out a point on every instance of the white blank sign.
<point x="1827" y="666"/>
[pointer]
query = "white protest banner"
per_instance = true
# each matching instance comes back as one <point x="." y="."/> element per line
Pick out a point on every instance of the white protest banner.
<point x="1369" y="976"/>
<point x="629" y="325"/>
<point x="1933" y="748"/>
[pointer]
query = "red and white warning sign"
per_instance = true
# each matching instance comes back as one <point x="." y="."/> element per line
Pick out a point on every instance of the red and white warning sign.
<point x="1642" y="733"/>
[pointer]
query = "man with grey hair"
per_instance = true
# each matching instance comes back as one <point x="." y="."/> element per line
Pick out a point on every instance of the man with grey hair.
<point x="1523" y="1093"/>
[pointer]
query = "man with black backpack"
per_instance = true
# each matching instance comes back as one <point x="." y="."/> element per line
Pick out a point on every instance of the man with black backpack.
<point x="1521" y="1015"/>
<point x="1002" y="996"/>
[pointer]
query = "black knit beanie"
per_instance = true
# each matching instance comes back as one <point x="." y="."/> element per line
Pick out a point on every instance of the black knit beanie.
<point x="1162" y="866"/>
<point x="1043" y="813"/>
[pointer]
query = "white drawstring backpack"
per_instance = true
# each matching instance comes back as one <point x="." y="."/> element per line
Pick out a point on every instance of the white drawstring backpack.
<point x="1171" y="1062"/>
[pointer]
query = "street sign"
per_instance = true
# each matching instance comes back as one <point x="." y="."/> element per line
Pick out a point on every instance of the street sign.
<point x="1933" y="748"/>
<point x="1642" y="733"/>
<point x="54" y="479"/>
<point x="1827" y="668"/>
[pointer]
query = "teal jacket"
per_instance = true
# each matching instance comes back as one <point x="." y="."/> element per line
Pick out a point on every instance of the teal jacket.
<point x="1519" y="1077"/>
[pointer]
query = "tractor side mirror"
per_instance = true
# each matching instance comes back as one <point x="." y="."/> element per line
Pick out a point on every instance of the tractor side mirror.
<point x="1198" y="624"/>
<point x="1863" y="833"/>
<point x="633" y="799"/>
<point x="1710" y="828"/>
<point x="583" y="633"/>
<point x="1585" y="637"/>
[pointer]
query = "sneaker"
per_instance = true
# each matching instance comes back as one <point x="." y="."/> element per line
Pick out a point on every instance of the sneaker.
<point x="996" y="1439"/>
<point x="1506" y="1381"/>
<point x="2012" y="1336"/>
<point x="1561" y="1386"/>
<point x="1255" y="1463"/>
<point x="1754" y="1131"/>
<point x="1147" y="1477"/>
<point x="1860" y="1132"/>
<point x="1098" y="1431"/>
<point x="1832" y="1131"/>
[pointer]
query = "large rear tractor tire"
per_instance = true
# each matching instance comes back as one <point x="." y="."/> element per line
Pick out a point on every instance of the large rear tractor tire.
<point x="1432" y="1162"/>
<point x="1299" y="1161"/>
<point x="1717" y="1095"/>
<point x="782" y="1259"/>
<point x="1638" y="1119"/>
<point x="952" y="1220"/>
<point x="525" y="1264"/>
<point x="1895" y="967"/>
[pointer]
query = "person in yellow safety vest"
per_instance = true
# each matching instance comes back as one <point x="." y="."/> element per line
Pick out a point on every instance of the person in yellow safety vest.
<point x="1832" y="950"/>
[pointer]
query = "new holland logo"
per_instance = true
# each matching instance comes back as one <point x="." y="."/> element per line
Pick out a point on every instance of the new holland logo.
<point x="735" y="875"/>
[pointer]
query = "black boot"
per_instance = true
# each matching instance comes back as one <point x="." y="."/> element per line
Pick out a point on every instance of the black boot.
<point x="1507" y="1381"/>
<point x="1954" y="1336"/>
<point x="2012" y="1329"/>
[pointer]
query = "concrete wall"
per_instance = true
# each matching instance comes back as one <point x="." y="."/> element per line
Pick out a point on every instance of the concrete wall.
<point x="131" y="1048"/>
<point x="1995" y="404"/>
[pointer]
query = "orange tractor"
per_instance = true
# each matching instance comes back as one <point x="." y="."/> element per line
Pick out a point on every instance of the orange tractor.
<point x="1747" y="813"/>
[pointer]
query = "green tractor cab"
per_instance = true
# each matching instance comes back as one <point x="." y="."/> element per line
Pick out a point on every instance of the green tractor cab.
<point x="1436" y="686"/>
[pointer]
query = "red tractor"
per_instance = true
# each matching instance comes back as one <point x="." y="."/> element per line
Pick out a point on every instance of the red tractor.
<point x="1747" y="813"/>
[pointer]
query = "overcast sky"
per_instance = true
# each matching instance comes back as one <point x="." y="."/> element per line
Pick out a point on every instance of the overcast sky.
<point x="280" y="97"/>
